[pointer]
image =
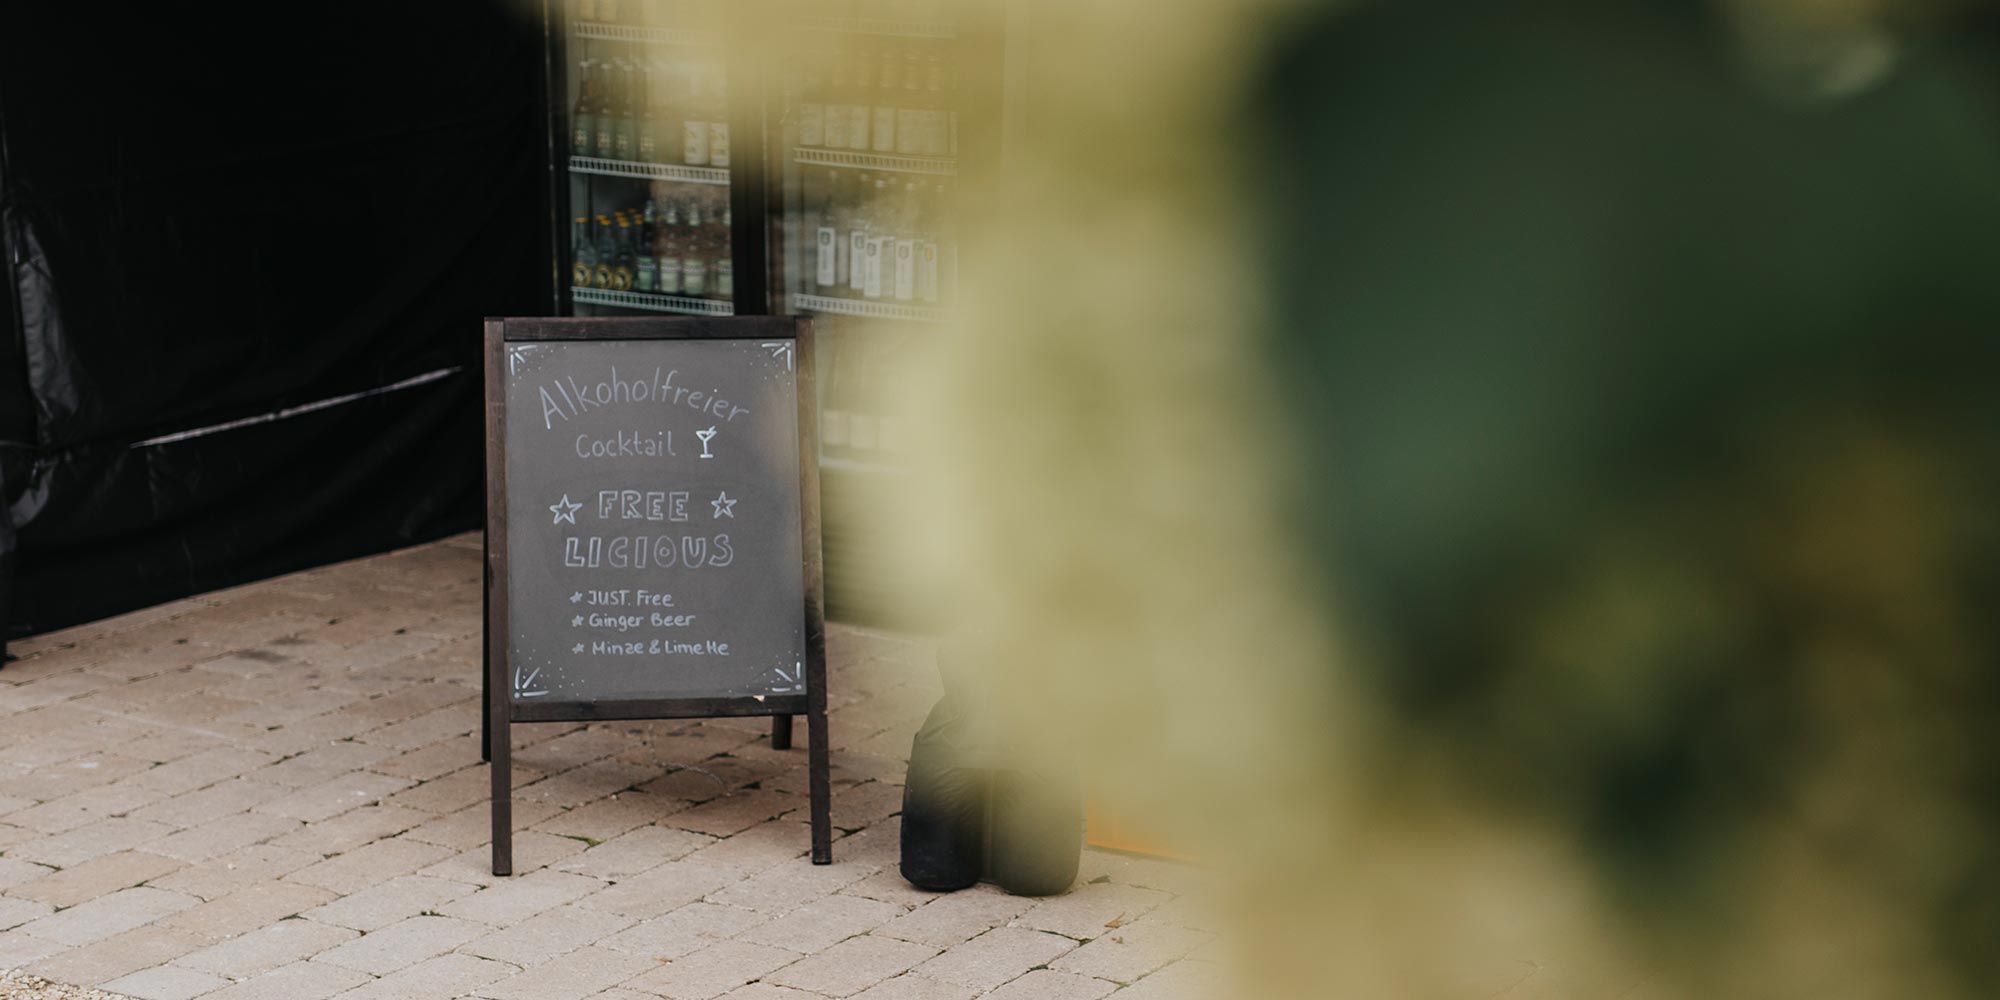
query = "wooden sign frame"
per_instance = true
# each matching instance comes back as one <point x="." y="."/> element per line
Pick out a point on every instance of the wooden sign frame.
<point x="501" y="708"/>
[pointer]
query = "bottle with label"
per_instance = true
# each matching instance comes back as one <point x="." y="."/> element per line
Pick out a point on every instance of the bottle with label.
<point x="879" y="274"/>
<point x="888" y="93"/>
<point x="937" y="126"/>
<point x="812" y="104"/>
<point x="668" y="278"/>
<point x="910" y="114"/>
<point x="694" y="123"/>
<point x="646" y="141"/>
<point x="927" y="249"/>
<point x="604" y="124"/>
<point x="833" y="131"/>
<point x="857" y="239"/>
<point x="722" y="271"/>
<point x="624" y="266"/>
<point x="718" y="119"/>
<point x="694" y="254"/>
<point x="904" y="288"/>
<point x="607" y="253"/>
<point x="947" y="241"/>
<point x="667" y="111"/>
<point x="625" y="141"/>
<point x="583" y="256"/>
<point x="583" y="118"/>
<point x="645" y="274"/>
<point x="725" y="278"/>
<point x="828" y="246"/>
<point x="860" y="93"/>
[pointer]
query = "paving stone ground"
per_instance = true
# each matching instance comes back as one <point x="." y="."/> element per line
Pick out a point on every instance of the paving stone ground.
<point x="275" y="793"/>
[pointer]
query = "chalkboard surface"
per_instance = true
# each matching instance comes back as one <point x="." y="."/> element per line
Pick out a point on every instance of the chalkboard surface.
<point x="653" y="544"/>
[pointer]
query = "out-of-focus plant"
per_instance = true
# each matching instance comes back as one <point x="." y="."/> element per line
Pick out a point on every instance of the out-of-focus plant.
<point x="1510" y="484"/>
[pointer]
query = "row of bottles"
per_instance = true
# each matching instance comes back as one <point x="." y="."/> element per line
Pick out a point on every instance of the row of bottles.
<point x="651" y="111"/>
<point x="671" y="246"/>
<point x="897" y="98"/>
<point x="858" y="418"/>
<point x="707" y="14"/>
<point x="934" y="13"/>
<point x="695" y="14"/>
<point x="881" y="237"/>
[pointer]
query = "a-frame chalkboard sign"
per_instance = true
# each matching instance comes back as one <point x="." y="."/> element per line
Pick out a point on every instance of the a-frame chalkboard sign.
<point x="652" y="532"/>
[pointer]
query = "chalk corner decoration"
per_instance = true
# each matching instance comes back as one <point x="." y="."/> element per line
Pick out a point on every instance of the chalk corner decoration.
<point x="652" y="532"/>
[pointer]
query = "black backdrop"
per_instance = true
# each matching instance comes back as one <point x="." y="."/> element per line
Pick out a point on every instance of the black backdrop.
<point x="230" y="239"/>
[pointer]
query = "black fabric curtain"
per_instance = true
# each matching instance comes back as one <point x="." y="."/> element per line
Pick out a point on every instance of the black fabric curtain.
<point x="246" y="260"/>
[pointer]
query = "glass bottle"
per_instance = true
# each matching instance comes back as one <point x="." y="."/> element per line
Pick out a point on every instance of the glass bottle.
<point x="583" y="256"/>
<point x="857" y="239"/>
<point x="694" y="123"/>
<point x="834" y="129"/>
<point x="694" y="256"/>
<point x="828" y="246"/>
<point x="861" y="93"/>
<point x="600" y="274"/>
<point x="668" y="278"/>
<point x="583" y="117"/>
<point x="718" y="119"/>
<point x="646" y="145"/>
<point x="645" y="274"/>
<point x="904" y="288"/>
<point x="888" y="93"/>
<point x="812" y="104"/>
<point x="625" y="140"/>
<point x="910" y="107"/>
<point x="604" y="144"/>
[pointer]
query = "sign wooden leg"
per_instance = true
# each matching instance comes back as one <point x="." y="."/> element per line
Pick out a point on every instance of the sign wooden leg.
<point x="486" y="691"/>
<point x="817" y="777"/>
<point x="781" y="732"/>
<point x="500" y="740"/>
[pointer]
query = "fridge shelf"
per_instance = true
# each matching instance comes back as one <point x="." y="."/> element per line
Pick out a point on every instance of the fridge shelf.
<point x="940" y="165"/>
<point x="649" y="171"/>
<point x="877" y="26"/>
<point x="652" y="302"/>
<point x="651" y="36"/>
<point x="869" y="309"/>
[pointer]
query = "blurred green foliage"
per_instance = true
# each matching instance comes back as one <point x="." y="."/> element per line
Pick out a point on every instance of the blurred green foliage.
<point x="1649" y="385"/>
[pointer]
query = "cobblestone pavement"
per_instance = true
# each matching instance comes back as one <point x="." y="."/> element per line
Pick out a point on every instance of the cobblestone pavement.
<point x="275" y="793"/>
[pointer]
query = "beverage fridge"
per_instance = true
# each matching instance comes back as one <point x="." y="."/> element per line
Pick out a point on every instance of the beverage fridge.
<point x="720" y="157"/>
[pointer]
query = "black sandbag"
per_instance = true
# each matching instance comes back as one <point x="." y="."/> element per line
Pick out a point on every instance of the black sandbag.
<point x="944" y="808"/>
<point x="1037" y="832"/>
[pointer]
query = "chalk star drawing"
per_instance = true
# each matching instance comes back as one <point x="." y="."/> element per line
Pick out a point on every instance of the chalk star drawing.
<point x="780" y="349"/>
<point x="565" y="510"/>
<point x="522" y="684"/>
<point x="516" y="357"/>
<point x="578" y="648"/>
<point x="578" y="596"/>
<point x="792" y="681"/>
<point x="724" y="505"/>
<point x="574" y="622"/>
<point x="706" y="436"/>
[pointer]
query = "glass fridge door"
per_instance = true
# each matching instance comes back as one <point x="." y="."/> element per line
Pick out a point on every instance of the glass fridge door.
<point x="647" y="160"/>
<point x="865" y="132"/>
